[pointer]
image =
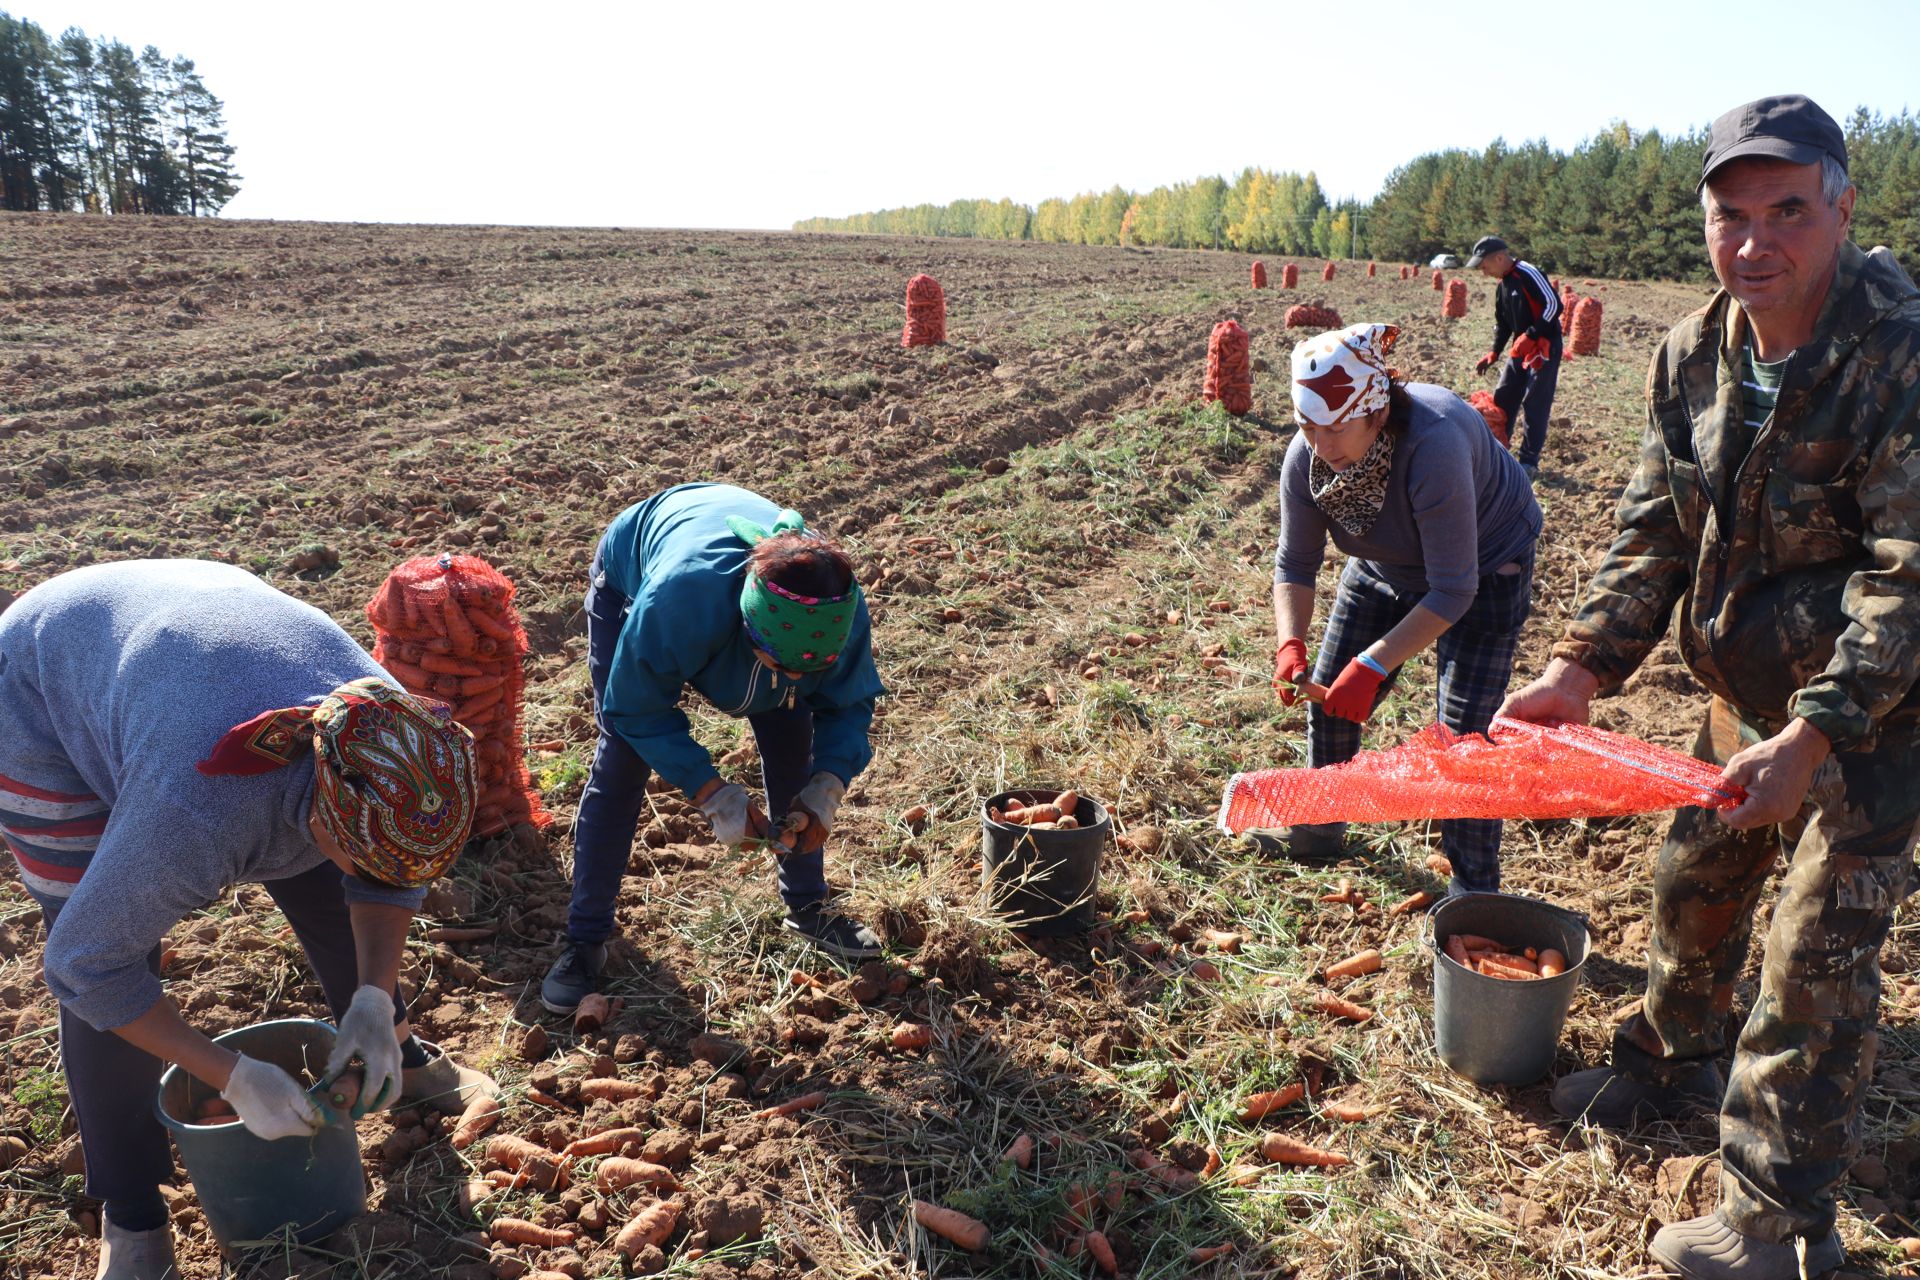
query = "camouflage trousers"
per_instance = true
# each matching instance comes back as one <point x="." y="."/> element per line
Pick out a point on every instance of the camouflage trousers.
<point x="1789" y="1123"/>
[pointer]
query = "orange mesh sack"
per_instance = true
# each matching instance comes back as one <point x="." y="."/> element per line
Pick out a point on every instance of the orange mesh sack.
<point x="1311" y="317"/>
<point x="1586" y="327"/>
<point x="1568" y="301"/>
<point x="1439" y="282"/>
<point x="1404" y="272"/>
<point x="445" y="626"/>
<point x="1455" y="304"/>
<point x="1495" y="416"/>
<point x="1370" y="270"/>
<point x="926" y="313"/>
<point x="1259" y="275"/>
<point x="1230" y="368"/>
<point x="1518" y="770"/>
<point x="1326" y="272"/>
<point x="1290" y="276"/>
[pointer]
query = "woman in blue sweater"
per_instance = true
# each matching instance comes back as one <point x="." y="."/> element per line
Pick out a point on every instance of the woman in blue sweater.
<point x="1438" y="523"/>
<point x="710" y="587"/>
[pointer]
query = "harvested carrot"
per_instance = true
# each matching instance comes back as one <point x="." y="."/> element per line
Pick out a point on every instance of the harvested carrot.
<point x="1067" y="802"/>
<point x="1440" y="864"/>
<point x="1258" y="1105"/>
<point x="1514" y="961"/>
<point x="1474" y="942"/>
<point x="1205" y="970"/>
<point x="1495" y="968"/>
<point x="1114" y="1194"/>
<point x="1208" y="1252"/>
<point x="345" y="1089"/>
<point x="805" y="1102"/>
<point x="520" y="1231"/>
<point x="912" y="1035"/>
<point x="952" y="1226"/>
<point x="1345" y="893"/>
<point x="1367" y="961"/>
<point x="461" y="932"/>
<point x="481" y="1115"/>
<point x="1213" y="1163"/>
<point x="1457" y="952"/>
<point x="1552" y="963"/>
<point x="1102" y="1251"/>
<point x="533" y="1165"/>
<point x="541" y="1098"/>
<point x="591" y="1013"/>
<point x="1284" y="1149"/>
<point x="800" y="978"/>
<point x="473" y="1191"/>
<point x="1331" y="1004"/>
<point x="612" y="1090"/>
<point x="652" y="1226"/>
<point x="1406" y="906"/>
<point x="1244" y="1175"/>
<point x="1020" y="1152"/>
<point x="1351" y="1112"/>
<point x="1222" y="941"/>
<point x="606" y="1142"/>
<point x="616" y="1172"/>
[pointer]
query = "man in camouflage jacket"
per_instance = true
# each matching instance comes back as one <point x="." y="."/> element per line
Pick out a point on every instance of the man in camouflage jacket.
<point x="1790" y="544"/>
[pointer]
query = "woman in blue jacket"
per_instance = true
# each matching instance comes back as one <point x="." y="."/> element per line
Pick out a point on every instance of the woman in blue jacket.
<point x="713" y="587"/>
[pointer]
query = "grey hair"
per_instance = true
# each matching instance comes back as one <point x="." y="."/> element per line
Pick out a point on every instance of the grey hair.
<point x="1833" y="183"/>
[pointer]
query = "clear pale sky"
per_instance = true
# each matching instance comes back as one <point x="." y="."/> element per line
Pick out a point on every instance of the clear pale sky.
<point x="752" y="115"/>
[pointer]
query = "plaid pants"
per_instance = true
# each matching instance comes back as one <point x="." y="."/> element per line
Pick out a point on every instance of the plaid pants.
<point x="1475" y="657"/>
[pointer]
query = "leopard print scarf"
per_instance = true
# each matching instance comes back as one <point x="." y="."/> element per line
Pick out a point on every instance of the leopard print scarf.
<point x="1353" y="497"/>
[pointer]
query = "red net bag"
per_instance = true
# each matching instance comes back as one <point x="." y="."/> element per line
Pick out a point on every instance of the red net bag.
<point x="1259" y="275"/>
<point x="1290" y="276"/>
<point x="1495" y="416"/>
<point x="1568" y="301"/>
<point x="1306" y="316"/>
<point x="1370" y="270"/>
<point x="1439" y="282"/>
<point x="1326" y="272"/>
<point x="1404" y="272"/>
<point x="445" y="627"/>
<point x="1586" y="327"/>
<point x="926" y="313"/>
<point x="1518" y="770"/>
<point x="1230" y="368"/>
<point x="1455" y="304"/>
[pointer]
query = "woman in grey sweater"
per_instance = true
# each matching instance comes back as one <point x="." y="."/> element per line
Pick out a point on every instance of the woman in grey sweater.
<point x="170" y="728"/>
<point x="1438" y="523"/>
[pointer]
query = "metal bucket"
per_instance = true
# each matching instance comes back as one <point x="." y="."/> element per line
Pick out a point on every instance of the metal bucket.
<point x="1044" y="881"/>
<point x="1488" y="1029"/>
<point x="252" y="1189"/>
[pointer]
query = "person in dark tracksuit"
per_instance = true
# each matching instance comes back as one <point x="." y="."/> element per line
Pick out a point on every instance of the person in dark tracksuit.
<point x="1526" y="309"/>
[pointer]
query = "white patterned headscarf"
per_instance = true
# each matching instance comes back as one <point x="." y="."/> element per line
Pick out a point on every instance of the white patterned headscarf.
<point x="1343" y="374"/>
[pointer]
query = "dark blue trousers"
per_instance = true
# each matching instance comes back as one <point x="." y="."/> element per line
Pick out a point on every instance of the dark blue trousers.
<point x="616" y="789"/>
<point x="1529" y="395"/>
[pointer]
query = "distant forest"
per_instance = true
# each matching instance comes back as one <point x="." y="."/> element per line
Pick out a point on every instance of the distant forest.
<point x="1621" y="204"/>
<point x="91" y="125"/>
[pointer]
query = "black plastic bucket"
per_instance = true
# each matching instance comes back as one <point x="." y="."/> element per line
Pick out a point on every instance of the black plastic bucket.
<point x="1044" y="881"/>
<point x="250" y="1188"/>
<point x="1490" y="1030"/>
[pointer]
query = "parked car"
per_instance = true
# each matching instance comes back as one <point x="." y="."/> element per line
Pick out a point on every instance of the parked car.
<point x="1448" y="260"/>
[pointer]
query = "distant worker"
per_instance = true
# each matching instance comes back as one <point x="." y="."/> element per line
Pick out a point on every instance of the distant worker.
<point x="712" y="587"/>
<point x="1776" y="515"/>
<point x="1526" y="309"/>
<point x="1438" y="524"/>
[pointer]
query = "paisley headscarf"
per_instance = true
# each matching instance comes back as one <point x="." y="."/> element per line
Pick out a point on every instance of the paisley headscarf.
<point x="393" y="774"/>
<point x="801" y="633"/>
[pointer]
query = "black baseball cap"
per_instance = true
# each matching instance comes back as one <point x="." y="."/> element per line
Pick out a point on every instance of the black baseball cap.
<point x="1789" y="127"/>
<point x="1484" y="246"/>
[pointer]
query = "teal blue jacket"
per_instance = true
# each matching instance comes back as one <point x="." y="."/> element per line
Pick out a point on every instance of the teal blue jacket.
<point x="675" y="559"/>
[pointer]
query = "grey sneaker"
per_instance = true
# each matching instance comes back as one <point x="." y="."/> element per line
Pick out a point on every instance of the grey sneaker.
<point x="1614" y="1100"/>
<point x="1313" y="845"/>
<point x="574" y="976"/>
<point x="1710" y="1249"/>
<point x="136" y="1255"/>
<point x="832" y="932"/>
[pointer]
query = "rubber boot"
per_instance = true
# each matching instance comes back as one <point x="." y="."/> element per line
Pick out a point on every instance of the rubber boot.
<point x="1710" y="1249"/>
<point x="442" y="1083"/>
<point x="1614" y="1100"/>
<point x="1315" y="845"/>
<point x="136" y="1255"/>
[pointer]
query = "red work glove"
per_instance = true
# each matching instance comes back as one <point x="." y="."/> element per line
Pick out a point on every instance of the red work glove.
<point x="1289" y="669"/>
<point x="1350" y="696"/>
<point x="1485" y="362"/>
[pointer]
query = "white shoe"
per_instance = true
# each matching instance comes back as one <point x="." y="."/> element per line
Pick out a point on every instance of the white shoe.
<point x="136" y="1255"/>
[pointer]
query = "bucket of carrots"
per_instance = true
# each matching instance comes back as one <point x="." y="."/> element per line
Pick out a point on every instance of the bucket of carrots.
<point x="1040" y="855"/>
<point x="1504" y="972"/>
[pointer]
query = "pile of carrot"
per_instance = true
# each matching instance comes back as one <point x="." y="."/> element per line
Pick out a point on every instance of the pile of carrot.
<point x="1495" y="416"/>
<point x="1057" y="814"/>
<point x="445" y="627"/>
<point x="1586" y="328"/>
<point x="1498" y="960"/>
<point x="1230" y="367"/>
<point x="1455" y="304"/>
<point x="926" y="313"/>
<point x="1312" y="317"/>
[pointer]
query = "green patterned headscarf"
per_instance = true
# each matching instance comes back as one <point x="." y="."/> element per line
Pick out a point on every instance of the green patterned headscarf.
<point x="801" y="633"/>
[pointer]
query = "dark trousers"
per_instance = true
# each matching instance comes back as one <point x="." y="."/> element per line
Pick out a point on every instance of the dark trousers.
<point x="1475" y="657"/>
<point x="616" y="788"/>
<point x="1790" y="1120"/>
<point x="1532" y="393"/>
<point x="112" y="1083"/>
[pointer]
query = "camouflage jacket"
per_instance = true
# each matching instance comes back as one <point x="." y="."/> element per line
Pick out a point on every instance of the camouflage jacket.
<point x="1797" y="567"/>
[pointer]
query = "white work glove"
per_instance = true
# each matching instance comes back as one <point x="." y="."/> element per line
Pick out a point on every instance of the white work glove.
<point x="366" y="1033"/>
<point x="270" y="1102"/>
<point x="821" y="797"/>
<point x="727" y="810"/>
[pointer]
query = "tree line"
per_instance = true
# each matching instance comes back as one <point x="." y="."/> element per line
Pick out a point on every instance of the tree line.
<point x="1622" y="203"/>
<point x="91" y="125"/>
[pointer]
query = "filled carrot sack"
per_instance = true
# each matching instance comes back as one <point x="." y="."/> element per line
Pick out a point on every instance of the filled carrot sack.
<point x="445" y="627"/>
<point x="1517" y="770"/>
